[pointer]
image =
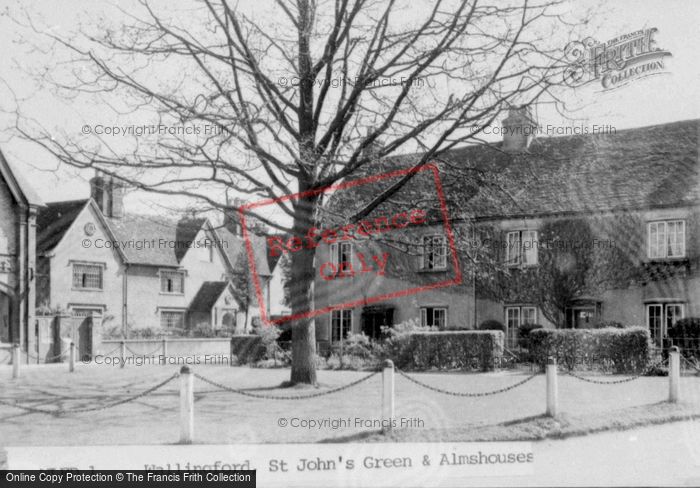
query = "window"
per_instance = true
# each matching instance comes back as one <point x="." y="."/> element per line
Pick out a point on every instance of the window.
<point x="662" y="316"/>
<point x="433" y="317"/>
<point x="172" y="282"/>
<point x="434" y="252"/>
<point x="172" y="320"/>
<point x="341" y="254"/>
<point x="341" y="323"/>
<point x="87" y="276"/>
<point x="521" y="248"/>
<point x="666" y="239"/>
<point x="515" y="317"/>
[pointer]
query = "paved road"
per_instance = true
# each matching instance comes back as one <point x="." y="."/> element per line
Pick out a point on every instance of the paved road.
<point x="661" y="455"/>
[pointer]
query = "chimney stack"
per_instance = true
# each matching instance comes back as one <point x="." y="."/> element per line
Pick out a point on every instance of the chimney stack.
<point x="518" y="129"/>
<point x="108" y="193"/>
<point x="231" y="219"/>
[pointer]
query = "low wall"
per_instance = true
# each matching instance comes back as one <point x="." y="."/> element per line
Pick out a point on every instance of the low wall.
<point x="215" y="350"/>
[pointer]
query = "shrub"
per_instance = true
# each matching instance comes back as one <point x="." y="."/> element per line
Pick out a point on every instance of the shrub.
<point x="492" y="325"/>
<point x="625" y="350"/>
<point x="525" y="329"/>
<point x="248" y="348"/>
<point x="451" y="350"/>
<point x="686" y="334"/>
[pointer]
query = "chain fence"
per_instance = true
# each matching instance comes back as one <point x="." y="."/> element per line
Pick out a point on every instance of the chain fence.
<point x="47" y="359"/>
<point x="59" y="412"/>
<point x="466" y="394"/>
<point x="645" y="372"/>
<point x="285" y="397"/>
<point x="140" y="353"/>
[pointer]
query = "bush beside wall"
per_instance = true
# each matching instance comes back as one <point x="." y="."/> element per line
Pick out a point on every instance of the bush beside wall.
<point x="622" y="350"/>
<point x="248" y="348"/>
<point x="446" y="350"/>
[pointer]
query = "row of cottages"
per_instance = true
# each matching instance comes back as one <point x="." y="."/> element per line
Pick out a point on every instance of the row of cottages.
<point x="575" y="231"/>
<point x="140" y="271"/>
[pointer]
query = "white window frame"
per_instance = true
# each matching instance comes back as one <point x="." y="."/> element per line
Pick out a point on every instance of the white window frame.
<point x="429" y="259"/>
<point x="182" y="313"/>
<point x="80" y="287"/>
<point x="663" y="308"/>
<point x="162" y="275"/>
<point x="516" y="252"/>
<point x="425" y="311"/>
<point x="662" y="243"/>
<point x="344" y="319"/>
<point x="338" y="249"/>
<point x="519" y="318"/>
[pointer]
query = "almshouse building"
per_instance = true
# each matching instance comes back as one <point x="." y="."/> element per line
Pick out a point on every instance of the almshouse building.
<point x="573" y="231"/>
<point x="140" y="271"/>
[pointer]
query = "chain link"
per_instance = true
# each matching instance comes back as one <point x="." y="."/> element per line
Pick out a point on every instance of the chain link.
<point x="465" y="394"/>
<point x="92" y="409"/>
<point x="285" y="397"/>
<point x="617" y="382"/>
<point x="691" y="364"/>
<point x="112" y="351"/>
<point x="140" y="354"/>
<point x="50" y="358"/>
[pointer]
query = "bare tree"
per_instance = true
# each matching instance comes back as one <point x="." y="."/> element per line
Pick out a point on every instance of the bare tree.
<point x="301" y="94"/>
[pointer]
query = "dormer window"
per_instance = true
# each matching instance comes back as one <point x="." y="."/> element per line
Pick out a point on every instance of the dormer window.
<point x="666" y="239"/>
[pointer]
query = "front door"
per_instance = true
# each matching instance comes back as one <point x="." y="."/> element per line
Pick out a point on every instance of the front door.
<point x="84" y="330"/>
<point x="374" y="318"/>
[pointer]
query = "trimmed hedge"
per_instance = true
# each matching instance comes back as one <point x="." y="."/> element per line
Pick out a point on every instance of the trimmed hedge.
<point x="446" y="350"/>
<point x="622" y="350"/>
<point x="492" y="325"/>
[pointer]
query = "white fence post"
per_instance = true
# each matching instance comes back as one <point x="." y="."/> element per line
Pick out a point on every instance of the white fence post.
<point x="71" y="363"/>
<point x="552" y="393"/>
<point x="674" y="374"/>
<point x="15" y="361"/>
<point x="388" y="395"/>
<point x="186" y="405"/>
<point x="123" y="353"/>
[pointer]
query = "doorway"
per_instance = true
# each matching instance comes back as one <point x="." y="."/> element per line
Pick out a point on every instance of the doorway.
<point x="374" y="318"/>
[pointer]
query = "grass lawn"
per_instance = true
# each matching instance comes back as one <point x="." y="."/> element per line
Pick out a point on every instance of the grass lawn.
<point x="224" y="417"/>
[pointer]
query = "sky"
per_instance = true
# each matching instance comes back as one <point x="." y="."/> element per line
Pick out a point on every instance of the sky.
<point x="669" y="97"/>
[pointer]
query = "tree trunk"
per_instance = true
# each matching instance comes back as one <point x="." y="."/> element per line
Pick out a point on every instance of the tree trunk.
<point x="302" y="277"/>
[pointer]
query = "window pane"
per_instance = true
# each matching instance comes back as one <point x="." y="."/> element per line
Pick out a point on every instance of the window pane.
<point x="171" y="282"/>
<point x="513" y="248"/>
<point x="172" y="319"/>
<point x="439" y="317"/>
<point x="87" y="276"/>
<point x="654" y="322"/>
<point x="344" y="255"/>
<point x="529" y="247"/>
<point x="529" y="315"/>
<point x="440" y="251"/>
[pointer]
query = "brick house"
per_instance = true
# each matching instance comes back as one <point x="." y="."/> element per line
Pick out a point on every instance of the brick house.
<point x="18" y="209"/>
<point x="629" y="199"/>
<point x="138" y="271"/>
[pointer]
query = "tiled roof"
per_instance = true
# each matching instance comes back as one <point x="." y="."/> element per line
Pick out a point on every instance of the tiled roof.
<point x="17" y="182"/>
<point x="206" y="297"/>
<point x="234" y="246"/>
<point x="53" y="221"/>
<point x="169" y="238"/>
<point x="647" y="167"/>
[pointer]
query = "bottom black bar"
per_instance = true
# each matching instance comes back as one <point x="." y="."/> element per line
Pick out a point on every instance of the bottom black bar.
<point x="126" y="478"/>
